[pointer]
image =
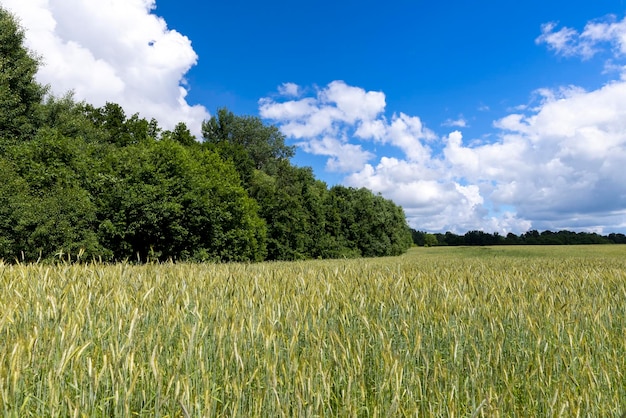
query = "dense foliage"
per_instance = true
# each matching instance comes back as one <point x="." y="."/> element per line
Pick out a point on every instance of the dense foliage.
<point x="82" y="179"/>
<point x="528" y="238"/>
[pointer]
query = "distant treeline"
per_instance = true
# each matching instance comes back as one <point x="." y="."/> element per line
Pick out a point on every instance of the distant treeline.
<point x="529" y="238"/>
<point x="79" y="179"/>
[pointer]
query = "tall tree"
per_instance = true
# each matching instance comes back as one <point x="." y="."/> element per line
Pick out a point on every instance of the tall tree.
<point x="264" y="146"/>
<point x="20" y="94"/>
<point x="180" y="134"/>
<point x="291" y="202"/>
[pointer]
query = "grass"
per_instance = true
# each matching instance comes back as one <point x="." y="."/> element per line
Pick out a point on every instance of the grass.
<point x="458" y="332"/>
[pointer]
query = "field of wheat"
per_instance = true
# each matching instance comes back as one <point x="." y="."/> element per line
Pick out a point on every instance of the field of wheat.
<point x="456" y="332"/>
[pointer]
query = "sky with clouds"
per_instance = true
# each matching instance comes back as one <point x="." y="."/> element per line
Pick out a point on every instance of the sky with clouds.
<point x="471" y="115"/>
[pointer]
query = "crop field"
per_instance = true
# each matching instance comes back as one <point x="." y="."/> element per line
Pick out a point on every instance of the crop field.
<point x="455" y="332"/>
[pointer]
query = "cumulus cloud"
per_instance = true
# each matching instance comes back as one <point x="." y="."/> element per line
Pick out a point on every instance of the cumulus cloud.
<point x="557" y="164"/>
<point x="113" y="51"/>
<point x="325" y="124"/>
<point x="433" y="199"/>
<point x="289" y="89"/>
<point x="576" y="146"/>
<point x="337" y="151"/>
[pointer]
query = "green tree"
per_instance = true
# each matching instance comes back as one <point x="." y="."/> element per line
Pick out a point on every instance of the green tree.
<point x="370" y="223"/>
<point x="13" y="189"/>
<point x="160" y="199"/>
<point x="430" y="240"/>
<point x="180" y="134"/>
<point x="340" y="215"/>
<point x="47" y="206"/>
<point x="60" y="221"/>
<point x="263" y="145"/>
<point x="292" y="205"/>
<point x="20" y="94"/>
<point x="115" y="128"/>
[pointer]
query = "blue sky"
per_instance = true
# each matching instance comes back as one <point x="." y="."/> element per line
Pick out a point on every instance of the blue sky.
<point x="488" y="115"/>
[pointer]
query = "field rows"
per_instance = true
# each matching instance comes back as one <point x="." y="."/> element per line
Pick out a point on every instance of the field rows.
<point x="437" y="332"/>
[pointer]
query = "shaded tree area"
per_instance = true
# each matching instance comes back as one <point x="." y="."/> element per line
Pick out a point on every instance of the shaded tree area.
<point x="472" y="238"/>
<point x="92" y="180"/>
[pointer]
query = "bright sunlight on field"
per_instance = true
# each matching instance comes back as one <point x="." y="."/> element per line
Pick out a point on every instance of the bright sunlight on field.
<point x="500" y="331"/>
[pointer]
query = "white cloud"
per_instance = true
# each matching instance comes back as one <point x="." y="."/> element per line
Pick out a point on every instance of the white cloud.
<point x="555" y="165"/>
<point x="569" y="42"/>
<point x="289" y="90"/>
<point x="354" y="103"/>
<point x="563" y="41"/>
<point x="113" y="51"/>
<point x="408" y="134"/>
<point x="337" y="103"/>
<point x="457" y="123"/>
<point x="340" y="112"/>
<point x="343" y="157"/>
<point x="576" y="146"/>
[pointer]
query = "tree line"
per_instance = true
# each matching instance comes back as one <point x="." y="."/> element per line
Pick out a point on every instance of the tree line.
<point x="533" y="237"/>
<point x="80" y="179"/>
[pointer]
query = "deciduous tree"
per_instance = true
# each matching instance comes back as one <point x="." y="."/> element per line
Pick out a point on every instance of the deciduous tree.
<point x="20" y="94"/>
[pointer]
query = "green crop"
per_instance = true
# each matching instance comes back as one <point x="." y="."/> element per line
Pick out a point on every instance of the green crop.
<point x="456" y="332"/>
